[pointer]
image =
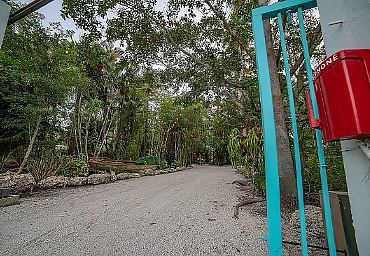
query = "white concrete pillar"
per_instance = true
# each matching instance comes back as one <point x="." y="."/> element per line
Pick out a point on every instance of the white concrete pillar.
<point x="4" y="15"/>
<point x="351" y="32"/>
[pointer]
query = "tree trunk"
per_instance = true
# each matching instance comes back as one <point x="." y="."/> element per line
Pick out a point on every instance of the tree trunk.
<point x="86" y="137"/>
<point x="118" y="145"/>
<point x="102" y="130"/>
<point x="79" y="123"/>
<point x="30" y="146"/>
<point x="72" y="142"/>
<point x="288" y="188"/>
<point x="105" y="136"/>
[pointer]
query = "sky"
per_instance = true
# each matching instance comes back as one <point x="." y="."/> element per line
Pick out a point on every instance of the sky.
<point x="52" y="14"/>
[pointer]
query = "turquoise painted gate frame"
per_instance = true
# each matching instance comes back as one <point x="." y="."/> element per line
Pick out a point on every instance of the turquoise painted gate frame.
<point x="274" y="236"/>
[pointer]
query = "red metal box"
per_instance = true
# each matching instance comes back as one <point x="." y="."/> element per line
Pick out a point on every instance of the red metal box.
<point x="342" y="88"/>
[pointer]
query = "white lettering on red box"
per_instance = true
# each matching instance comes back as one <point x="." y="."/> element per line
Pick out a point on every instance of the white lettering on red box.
<point x="325" y="64"/>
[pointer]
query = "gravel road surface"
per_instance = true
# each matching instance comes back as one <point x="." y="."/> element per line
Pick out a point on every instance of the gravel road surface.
<point x="182" y="213"/>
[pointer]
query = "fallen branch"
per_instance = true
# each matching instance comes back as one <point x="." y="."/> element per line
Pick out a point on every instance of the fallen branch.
<point x="241" y="182"/>
<point x="245" y="202"/>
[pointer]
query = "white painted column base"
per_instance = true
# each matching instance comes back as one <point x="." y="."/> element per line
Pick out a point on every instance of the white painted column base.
<point x="352" y="32"/>
<point x="357" y="165"/>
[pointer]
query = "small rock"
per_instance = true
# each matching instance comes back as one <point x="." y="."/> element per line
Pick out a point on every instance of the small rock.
<point x="7" y="180"/>
<point x="77" y="181"/>
<point x="133" y="175"/>
<point x="99" y="178"/>
<point x="149" y="172"/>
<point x="113" y="176"/>
<point x="10" y="200"/>
<point x="157" y="172"/>
<point x="122" y="176"/>
<point x="52" y="182"/>
<point x="19" y="184"/>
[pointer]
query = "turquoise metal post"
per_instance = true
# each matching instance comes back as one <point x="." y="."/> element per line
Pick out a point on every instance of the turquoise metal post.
<point x="320" y="149"/>
<point x="274" y="239"/>
<point x="296" y="140"/>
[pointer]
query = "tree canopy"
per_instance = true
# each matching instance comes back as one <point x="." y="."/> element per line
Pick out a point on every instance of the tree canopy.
<point x="182" y="85"/>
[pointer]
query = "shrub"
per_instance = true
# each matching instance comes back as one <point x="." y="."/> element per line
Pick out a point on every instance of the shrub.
<point x="132" y="152"/>
<point x="150" y="160"/>
<point x="75" y="166"/>
<point x="48" y="164"/>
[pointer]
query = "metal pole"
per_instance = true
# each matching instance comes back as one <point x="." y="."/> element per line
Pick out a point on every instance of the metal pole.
<point x="274" y="239"/>
<point x="295" y="139"/>
<point x="320" y="149"/>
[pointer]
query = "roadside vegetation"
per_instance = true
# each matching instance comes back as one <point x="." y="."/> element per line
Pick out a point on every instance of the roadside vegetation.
<point x="180" y="88"/>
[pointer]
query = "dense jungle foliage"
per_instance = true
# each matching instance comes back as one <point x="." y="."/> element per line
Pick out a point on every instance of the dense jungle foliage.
<point x="179" y="85"/>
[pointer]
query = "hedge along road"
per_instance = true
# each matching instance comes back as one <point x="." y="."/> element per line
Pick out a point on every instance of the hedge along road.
<point x="182" y="213"/>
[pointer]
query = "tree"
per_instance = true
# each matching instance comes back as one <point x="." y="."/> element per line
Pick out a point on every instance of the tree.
<point x="35" y="78"/>
<point x="288" y="189"/>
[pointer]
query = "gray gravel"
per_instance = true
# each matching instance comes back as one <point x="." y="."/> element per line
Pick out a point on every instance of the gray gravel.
<point x="182" y="213"/>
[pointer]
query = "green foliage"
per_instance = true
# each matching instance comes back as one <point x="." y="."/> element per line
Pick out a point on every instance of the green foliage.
<point x="248" y="152"/>
<point x="201" y="160"/>
<point x="47" y="164"/>
<point x="254" y="147"/>
<point x="37" y="77"/>
<point x="335" y="170"/>
<point x="132" y="151"/>
<point x="50" y="162"/>
<point x="74" y="166"/>
<point x="254" y="158"/>
<point x="235" y="148"/>
<point x="150" y="160"/>
<point x="103" y="100"/>
<point x="4" y="157"/>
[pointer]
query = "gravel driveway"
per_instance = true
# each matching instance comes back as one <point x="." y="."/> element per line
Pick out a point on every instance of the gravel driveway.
<point x="182" y="213"/>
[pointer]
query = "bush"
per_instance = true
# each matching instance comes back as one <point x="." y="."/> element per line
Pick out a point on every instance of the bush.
<point x="47" y="164"/>
<point x="132" y="152"/>
<point x="151" y="160"/>
<point x="75" y="166"/>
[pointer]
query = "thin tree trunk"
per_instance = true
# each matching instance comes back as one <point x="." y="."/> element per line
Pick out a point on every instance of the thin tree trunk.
<point x="288" y="188"/>
<point x="79" y="150"/>
<point x="95" y="124"/>
<point x="72" y="143"/>
<point x="102" y="130"/>
<point x="163" y="150"/>
<point x="30" y="146"/>
<point x="79" y="123"/>
<point x="118" y="145"/>
<point x="105" y="136"/>
<point x="86" y="136"/>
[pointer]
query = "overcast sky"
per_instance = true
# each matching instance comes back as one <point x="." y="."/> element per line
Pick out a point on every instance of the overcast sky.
<point x="52" y="14"/>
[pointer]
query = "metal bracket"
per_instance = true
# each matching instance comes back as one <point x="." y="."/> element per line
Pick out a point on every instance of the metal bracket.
<point x="336" y="22"/>
<point x="314" y="123"/>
